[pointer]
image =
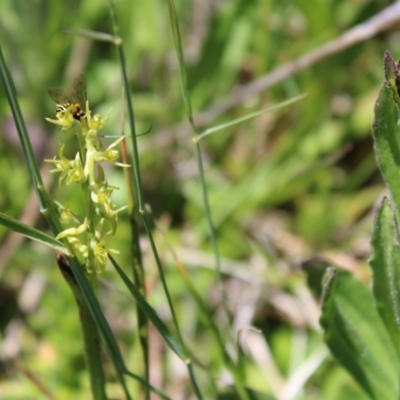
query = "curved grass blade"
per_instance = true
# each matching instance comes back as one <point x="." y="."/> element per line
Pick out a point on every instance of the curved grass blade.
<point x="101" y="322"/>
<point x="91" y="336"/>
<point x="33" y="234"/>
<point x="94" y="35"/>
<point x="145" y="383"/>
<point x="248" y="117"/>
<point x="172" y="342"/>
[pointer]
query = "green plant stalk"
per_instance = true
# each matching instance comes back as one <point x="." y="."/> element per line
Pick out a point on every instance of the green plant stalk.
<point x="89" y="210"/>
<point x="146" y="224"/>
<point x="85" y="185"/>
<point x="101" y="322"/>
<point x="137" y="264"/>
<point x="211" y="230"/>
<point x="91" y="336"/>
<point x="210" y="224"/>
<point x="189" y="113"/>
<point x="139" y="279"/>
<point x="139" y="193"/>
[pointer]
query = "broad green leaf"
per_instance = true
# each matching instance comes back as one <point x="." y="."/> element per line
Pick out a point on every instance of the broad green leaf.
<point x="357" y="337"/>
<point x="386" y="134"/>
<point x="32" y="233"/>
<point x="385" y="265"/>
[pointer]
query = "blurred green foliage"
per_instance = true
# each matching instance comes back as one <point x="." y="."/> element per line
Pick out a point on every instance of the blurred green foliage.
<point x="283" y="187"/>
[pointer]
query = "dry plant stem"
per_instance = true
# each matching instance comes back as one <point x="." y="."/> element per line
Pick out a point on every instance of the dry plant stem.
<point x="91" y="336"/>
<point x="361" y="32"/>
<point x="34" y="379"/>
<point x="78" y="58"/>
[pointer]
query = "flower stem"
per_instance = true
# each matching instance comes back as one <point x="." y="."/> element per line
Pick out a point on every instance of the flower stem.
<point x="91" y="336"/>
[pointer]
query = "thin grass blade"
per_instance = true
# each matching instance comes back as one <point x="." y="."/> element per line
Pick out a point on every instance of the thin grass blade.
<point x="94" y="35"/>
<point x="33" y="234"/>
<point x="172" y="342"/>
<point x="181" y="61"/>
<point x="248" y="117"/>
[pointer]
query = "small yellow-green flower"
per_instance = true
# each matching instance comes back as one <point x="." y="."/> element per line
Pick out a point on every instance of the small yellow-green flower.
<point x="96" y="122"/>
<point x="71" y="170"/>
<point x="74" y="231"/>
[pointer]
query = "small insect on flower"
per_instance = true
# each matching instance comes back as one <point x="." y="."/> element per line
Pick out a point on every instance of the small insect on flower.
<point x="72" y="99"/>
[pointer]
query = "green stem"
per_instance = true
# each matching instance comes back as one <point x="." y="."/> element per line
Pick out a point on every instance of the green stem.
<point x="189" y="113"/>
<point x="137" y="264"/>
<point x="91" y="336"/>
<point x="139" y="279"/>
<point x="211" y="229"/>
<point x="139" y="194"/>
<point x="87" y="200"/>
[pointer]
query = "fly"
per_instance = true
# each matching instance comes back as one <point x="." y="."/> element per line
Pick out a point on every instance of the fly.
<point x="73" y="98"/>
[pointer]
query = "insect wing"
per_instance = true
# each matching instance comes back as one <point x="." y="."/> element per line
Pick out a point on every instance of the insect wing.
<point x="77" y="92"/>
<point x="58" y="95"/>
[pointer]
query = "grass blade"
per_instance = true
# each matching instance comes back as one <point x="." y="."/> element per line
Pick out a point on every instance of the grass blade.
<point x="172" y="342"/>
<point x="33" y="234"/>
<point x="248" y="117"/>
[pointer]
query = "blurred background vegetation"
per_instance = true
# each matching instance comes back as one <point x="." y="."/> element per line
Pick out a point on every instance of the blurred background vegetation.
<point x="290" y="185"/>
